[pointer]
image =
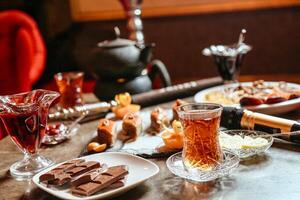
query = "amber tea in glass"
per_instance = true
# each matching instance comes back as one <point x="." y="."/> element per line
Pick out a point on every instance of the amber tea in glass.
<point x="201" y="148"/>
<point x="70" y="88"/>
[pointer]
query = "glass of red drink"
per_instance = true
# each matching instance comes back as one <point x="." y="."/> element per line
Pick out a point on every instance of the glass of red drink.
<point x="201" y="148"/>
<point x="70" y="88"/>
<point x="24" y="117"/>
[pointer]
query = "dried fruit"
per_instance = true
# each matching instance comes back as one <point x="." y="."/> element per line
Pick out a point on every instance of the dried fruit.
<point x="123" y="99"/>
<point x="177" y="126"/>
<point x="272" y="100"/>
<point x="250" y="101"/>
<point x="120" y="112"/>
<point x="124" y="105"/>
<point x="173" y="138"/>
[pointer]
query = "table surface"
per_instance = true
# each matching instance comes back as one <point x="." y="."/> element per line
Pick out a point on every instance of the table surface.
<point x="275" y="175"/>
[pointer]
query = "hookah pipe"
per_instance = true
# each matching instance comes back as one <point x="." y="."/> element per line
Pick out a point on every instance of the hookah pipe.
<point x="133" y="12"/>
<point x="144" y="99"/>
<point x="231" y="118"/>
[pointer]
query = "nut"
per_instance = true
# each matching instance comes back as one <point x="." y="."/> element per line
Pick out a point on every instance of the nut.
<point x="91" y="146"/>
<point x="100" y="148"/>
<point x="96" y="147"/>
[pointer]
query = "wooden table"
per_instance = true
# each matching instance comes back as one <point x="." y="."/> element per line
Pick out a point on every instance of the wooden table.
<point x="276" y="175"/>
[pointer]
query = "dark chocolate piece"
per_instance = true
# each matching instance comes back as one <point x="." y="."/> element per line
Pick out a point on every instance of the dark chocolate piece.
<point x="66" y="172"/>
<point x="83" y="167"/>
<point x="52" y="174"/>
<point x="117" y="184"/>
<point x="67" y="176"/>
<point x="88" y="176"/>
<point x="104" y="180"/>
<point x="60" y="179"/>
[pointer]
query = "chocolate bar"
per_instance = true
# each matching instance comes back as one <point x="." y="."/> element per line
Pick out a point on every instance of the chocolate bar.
<point x="53" y="174"/>
<point x="66" y="172"/>
<point x="117" y="184"/>
<point x="70" y="174"/>
<point x="106" y="132"/>
<point x="60" y="179"/>
<point x="104" y="180"/>
<point x="159" y="119"/>
<point x="82" y="168"/>
<point x="88" y="176"/>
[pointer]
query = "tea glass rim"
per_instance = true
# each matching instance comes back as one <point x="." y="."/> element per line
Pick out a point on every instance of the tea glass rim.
<point x="61" y="75"/>
<point x="204" y="111"/>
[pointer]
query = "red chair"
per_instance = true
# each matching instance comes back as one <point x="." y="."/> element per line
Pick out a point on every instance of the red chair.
<point x="22" y="53"/>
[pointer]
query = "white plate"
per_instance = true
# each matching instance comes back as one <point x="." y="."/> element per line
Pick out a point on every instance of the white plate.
<point x="139" y="169"/>
<point x="277" y="108"/>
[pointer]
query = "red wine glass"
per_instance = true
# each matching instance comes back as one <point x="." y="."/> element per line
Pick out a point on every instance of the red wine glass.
<point x="24" y="116"/>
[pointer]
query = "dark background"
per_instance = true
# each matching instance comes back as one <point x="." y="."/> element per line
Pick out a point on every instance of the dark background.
<point x="274" y="35"/>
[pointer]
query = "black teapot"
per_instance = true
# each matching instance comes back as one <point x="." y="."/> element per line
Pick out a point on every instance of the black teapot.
<point x="122" y="65"/>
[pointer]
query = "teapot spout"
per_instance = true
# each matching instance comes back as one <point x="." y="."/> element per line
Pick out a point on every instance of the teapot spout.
<point x="146" y="53"/>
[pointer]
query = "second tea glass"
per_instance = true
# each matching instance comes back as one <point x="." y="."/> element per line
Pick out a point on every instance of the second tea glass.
<point x="201" y="148"/>
<point x="70" y="88"/>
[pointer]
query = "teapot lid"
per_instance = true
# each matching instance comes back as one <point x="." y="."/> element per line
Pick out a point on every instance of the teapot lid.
<point x="118" y="42"/>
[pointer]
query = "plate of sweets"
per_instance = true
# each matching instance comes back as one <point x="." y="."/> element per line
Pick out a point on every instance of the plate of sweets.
<point x="95" y="176"/>
<point x="259" y="96"/>
<point x="149" y="133"/>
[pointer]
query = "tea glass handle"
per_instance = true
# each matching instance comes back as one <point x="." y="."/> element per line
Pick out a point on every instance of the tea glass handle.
<point x="158" y="68"/>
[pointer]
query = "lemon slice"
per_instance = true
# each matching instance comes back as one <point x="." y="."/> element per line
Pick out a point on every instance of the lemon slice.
<point x="254" y="143"/>
<point x="239" y="142"/>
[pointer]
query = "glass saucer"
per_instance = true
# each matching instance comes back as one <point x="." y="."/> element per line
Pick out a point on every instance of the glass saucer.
<point x="229" y="163"/>
<point x="242" y="149"/>
<point x="59" y="132"/>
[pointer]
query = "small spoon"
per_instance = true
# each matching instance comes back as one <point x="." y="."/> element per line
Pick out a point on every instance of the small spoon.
<point x="73" y="124"/>
<point x="241" y="37"/>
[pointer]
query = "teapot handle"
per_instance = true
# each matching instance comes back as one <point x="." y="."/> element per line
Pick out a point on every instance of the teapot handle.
<point x="158" y="68"/>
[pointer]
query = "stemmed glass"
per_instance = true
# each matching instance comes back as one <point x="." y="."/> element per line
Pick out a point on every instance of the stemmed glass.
<point x="229" y="58"/>
<point x="24" y="116"/>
